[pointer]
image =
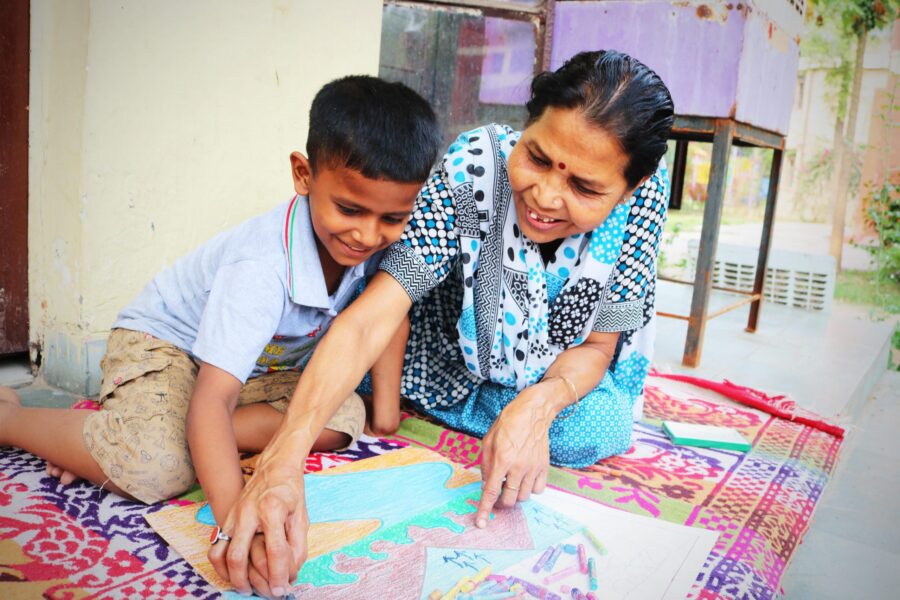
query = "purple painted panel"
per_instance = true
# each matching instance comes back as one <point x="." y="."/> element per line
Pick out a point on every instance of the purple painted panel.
<point x="695" y="49"/>
<point x="508" y="64"/>
<point x="768" y="75"/>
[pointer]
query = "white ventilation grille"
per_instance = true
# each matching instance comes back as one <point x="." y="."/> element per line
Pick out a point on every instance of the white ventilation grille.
<point x="792" y="278"/>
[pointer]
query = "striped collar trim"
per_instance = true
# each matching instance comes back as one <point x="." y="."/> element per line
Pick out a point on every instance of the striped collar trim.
<point x="288" y="243"/>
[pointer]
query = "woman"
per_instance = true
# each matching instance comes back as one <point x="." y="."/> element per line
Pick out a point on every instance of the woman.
<point x="539" y="336"/>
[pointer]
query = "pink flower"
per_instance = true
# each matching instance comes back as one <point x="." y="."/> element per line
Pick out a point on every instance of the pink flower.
<point x="122" y="563"/>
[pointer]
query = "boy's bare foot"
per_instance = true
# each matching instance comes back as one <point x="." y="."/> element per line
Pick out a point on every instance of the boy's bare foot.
<point x="9" y="401"/>
<point x="65" y="477"/>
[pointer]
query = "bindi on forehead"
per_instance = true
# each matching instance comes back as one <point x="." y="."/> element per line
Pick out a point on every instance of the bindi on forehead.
<point x="562" y="166"/>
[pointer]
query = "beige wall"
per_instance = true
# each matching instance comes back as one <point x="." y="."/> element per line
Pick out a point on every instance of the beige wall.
<point x="155" y="125"/>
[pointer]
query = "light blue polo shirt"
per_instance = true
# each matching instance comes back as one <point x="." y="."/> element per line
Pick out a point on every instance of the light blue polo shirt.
<point x="251" y="300"/>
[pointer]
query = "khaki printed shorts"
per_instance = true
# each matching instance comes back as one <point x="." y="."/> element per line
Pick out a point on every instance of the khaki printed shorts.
<point x="138" y="436"/>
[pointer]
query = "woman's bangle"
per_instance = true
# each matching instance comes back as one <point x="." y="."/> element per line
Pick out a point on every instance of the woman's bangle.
<point x="571" y="385"/>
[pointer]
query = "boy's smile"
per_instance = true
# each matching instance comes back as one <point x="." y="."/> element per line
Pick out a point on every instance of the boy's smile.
<point x="353" y="216"/>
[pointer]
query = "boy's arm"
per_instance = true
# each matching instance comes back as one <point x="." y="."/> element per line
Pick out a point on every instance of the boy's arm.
<point x="211" y="438"/>
<point x="273" y="500"/>
<point x="386" y="373"/>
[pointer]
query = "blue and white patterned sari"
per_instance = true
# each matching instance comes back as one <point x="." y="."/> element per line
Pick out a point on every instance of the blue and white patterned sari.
<point x="501" y="316"/>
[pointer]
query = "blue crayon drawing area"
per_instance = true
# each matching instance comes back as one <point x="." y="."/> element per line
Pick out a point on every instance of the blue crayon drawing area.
<point x="401" y="497"/>
<point x="373" y="494"/>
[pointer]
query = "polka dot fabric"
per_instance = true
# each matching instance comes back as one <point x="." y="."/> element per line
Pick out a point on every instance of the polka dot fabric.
<point x="598" y="427"/>
<point x="425" y="253"/>
<point x="622" y="305"/>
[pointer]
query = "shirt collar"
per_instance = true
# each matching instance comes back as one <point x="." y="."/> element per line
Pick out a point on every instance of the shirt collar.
<point x="305" y="278"/>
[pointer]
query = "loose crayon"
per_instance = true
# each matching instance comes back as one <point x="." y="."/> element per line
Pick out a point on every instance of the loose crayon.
<point x="542" y="560"/>
<point x="576" y="593"/>
<point x="435" y="595"/>
<point x="592" y="572"/>
<point x="593" y="538"/>
<point x="480" y="576"/>
<point x="548" y="566"/>
<point x="489" y="587"/>
<point x="560" y="574"/>
<point x="570" y="549"/>
<point x="456" y="589"/>
<point x="582" y="559"/>
<point x="590" y="596"/>
<point x="498" y="596"/>
<point x="536" y="590"/>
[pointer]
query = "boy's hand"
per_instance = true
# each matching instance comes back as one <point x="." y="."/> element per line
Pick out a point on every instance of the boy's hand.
<point x="272" y="502"/>
<point x="258" y="571"/>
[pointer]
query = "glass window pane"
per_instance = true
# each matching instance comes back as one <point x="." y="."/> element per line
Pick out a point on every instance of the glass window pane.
<point x="473" y="69"/>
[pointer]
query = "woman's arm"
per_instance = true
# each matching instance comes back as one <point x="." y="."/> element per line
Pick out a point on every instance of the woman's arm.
<point x="386" y="373"/>
<point x="273" y="499"/>
<point x="516" y="450"/>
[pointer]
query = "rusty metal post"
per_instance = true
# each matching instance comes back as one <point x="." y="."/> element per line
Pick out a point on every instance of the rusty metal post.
<point x="766" y="240"/>
<point x="547" y="35"/>
<point x="709" y="238"/>
<point x="678" y="170"/>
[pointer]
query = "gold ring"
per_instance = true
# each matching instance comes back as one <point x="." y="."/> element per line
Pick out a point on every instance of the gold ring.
<point x="509" y="487"/>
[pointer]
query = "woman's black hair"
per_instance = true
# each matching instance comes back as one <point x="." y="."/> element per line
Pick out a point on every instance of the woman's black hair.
<point x="382" y="129"/>
<point x="617" y="93"/>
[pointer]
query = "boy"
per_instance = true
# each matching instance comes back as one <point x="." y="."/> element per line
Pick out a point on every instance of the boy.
<point x="204" y="361"/>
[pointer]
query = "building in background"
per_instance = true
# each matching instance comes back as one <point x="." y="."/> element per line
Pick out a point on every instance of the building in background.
<point x="806" y="181"/>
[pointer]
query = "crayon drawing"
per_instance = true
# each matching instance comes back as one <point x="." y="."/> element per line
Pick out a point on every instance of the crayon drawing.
<point x="401" y="522"/>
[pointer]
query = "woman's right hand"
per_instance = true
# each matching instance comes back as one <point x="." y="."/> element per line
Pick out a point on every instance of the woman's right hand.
<point x="272" y="502"/>
<point x="515" y="455"/>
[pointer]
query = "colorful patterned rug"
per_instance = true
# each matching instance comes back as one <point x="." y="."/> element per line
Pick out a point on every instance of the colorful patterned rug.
<point x="78" y="541"/>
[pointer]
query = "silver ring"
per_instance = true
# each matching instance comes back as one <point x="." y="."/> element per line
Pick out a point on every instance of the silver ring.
<point x="217" y="535"/>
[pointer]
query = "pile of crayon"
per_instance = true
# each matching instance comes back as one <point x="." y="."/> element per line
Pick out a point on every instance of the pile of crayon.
<point x="484" y="586"/>
<point x="585" y="566"/>
<point x="487" y="586"/>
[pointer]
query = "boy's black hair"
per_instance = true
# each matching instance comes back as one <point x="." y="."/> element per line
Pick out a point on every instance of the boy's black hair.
<point x="383" y="130"/>
<point x="617" y="93"/>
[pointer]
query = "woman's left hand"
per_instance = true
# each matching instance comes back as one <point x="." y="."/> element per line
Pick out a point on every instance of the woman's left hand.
<point x="516" y="450"/>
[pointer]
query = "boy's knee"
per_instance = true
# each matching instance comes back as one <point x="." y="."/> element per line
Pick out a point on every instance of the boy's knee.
<point x="170" y="477"/>
<point x="349" y="419"/>
<point x="149" y="463"/>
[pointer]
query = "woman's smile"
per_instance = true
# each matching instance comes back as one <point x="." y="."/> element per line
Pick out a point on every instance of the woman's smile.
<point x="566" y="176"/>
<point x="539" y="221"/>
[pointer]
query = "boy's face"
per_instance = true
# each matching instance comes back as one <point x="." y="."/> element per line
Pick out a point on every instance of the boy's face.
<point x="353" y="216"/>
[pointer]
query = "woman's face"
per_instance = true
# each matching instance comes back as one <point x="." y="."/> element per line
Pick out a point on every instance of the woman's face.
<point x="566" y="174"/>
